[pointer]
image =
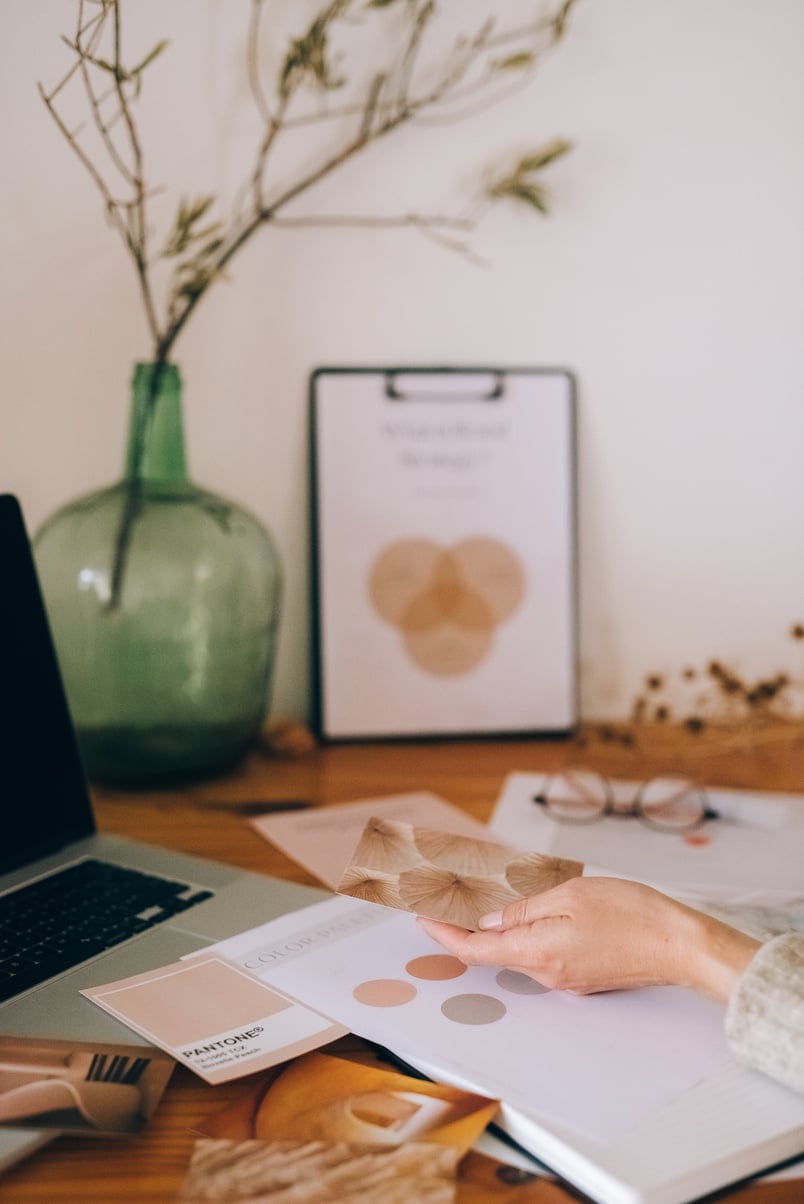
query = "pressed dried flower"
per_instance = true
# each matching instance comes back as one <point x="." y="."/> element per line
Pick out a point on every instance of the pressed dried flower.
<point x="463" y="854"/>
<point x="456" y="898"/>
<point x="535" y="872"/>
<point x="370" y="885"/>
<point x="386" y="844"/>
<point x="765" y="691"/>
<point x="728" y="682"/>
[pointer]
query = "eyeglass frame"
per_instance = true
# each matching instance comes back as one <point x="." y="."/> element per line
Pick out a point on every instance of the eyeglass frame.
<point x="632" y="810"/>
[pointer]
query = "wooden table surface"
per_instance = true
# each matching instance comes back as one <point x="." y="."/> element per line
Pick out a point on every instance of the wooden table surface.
<point x="208" y="819"/>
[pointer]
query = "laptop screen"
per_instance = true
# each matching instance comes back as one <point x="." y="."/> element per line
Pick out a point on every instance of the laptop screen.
<point x="44" y="801"/>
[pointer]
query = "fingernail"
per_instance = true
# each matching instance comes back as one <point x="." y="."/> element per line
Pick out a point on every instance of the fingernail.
<point x="492" y="920"/>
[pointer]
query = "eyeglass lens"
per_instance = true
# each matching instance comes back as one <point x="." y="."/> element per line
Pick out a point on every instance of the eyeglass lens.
<point x="671" y="802"/>
<point x="577" y="794"/>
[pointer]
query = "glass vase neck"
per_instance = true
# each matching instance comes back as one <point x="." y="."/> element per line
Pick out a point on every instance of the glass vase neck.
<point x="155" y="451"/>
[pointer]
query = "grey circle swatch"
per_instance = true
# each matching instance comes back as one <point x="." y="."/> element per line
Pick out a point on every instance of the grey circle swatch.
<point x="473" y="1009"/>
<point x="519" y="984"/>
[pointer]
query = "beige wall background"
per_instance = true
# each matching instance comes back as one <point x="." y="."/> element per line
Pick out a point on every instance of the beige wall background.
<point x="669" y="277"/>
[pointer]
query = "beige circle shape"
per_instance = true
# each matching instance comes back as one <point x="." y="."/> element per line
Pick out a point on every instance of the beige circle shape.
<point x="400" y="574"/>
<point x="384" y="992"/>
<point x="492" y="571"/>
<point x="447" y="649"/>
<point x="446" y="603"/>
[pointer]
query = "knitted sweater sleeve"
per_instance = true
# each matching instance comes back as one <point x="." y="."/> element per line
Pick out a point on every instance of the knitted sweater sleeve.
<point x="765" y="1014"/>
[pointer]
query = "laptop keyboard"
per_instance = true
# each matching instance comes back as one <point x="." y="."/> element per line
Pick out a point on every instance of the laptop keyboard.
<point x="59" y="921"/>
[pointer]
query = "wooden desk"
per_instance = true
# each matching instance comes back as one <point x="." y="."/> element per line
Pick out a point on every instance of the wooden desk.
<point x="207" y="819"/>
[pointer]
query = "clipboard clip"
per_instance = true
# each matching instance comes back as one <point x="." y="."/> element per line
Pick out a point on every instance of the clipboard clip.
<point x="445" y="384"/>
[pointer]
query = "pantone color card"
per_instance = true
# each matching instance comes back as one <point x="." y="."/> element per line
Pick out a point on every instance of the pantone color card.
<point x="214" y="1018"/>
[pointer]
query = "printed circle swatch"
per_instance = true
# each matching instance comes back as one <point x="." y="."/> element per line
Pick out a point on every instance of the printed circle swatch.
<point x="473" y="1009"/>
<point x="435" y="967"/>
<point x="519" y="984"/>
<point x="447" y="602"/>
<point x="384" y="992"/>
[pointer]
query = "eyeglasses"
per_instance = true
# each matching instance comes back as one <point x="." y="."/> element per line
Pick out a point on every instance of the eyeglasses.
<point x="582" y="796"/>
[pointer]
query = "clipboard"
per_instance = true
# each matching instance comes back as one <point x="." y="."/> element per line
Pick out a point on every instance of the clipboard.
<point x="443" y="552"/>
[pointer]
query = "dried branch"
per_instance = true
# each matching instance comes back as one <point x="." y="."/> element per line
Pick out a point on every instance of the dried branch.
<point x="200" y="244"/>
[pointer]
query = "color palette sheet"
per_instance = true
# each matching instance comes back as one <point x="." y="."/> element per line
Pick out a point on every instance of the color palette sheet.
<point x="592" y="1065"/>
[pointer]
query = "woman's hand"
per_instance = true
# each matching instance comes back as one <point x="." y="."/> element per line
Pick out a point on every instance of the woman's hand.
<point x="602" y="934"/>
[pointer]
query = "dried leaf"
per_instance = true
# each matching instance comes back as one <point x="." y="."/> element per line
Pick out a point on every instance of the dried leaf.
<point x="308" y="56"/>
<point x="560" y="19"/>
<point x="185" y="230"/>
<point x="149" y="58"/>
<point x="518" y="190"/>
<point x="536" y="160"/>
<point x="515" y="62"/>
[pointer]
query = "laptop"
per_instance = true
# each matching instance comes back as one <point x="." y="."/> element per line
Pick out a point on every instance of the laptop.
<point x="49" y="842"/>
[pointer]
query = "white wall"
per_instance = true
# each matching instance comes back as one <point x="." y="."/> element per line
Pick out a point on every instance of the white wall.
<point x="670" y="277"/>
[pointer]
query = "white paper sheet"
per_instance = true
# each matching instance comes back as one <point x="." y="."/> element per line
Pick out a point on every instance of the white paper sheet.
<point x="595" y="1065"/>
<point x="754" y="852"/>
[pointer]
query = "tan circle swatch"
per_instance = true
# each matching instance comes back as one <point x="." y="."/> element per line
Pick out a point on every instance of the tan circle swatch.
<point x="384" y="992"/>
<point x="435" y="967"/>
<point x="447" y="602"/>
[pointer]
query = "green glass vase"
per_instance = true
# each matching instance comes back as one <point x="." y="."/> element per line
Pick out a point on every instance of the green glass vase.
<point x="164" y="601"/>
